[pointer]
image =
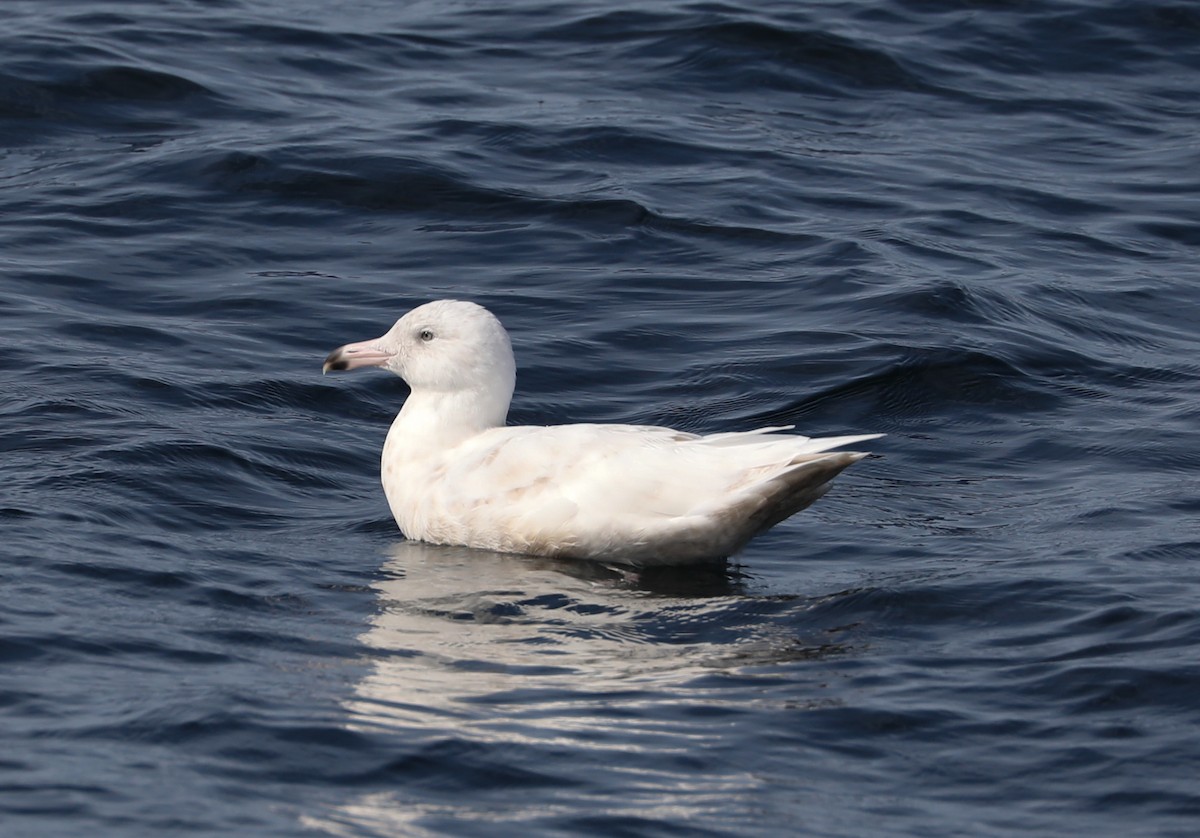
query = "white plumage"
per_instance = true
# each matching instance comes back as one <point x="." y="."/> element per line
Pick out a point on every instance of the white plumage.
<point x="453" y="472"/>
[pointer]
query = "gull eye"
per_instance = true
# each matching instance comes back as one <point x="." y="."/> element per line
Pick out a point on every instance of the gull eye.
<point x="425" y="335"/>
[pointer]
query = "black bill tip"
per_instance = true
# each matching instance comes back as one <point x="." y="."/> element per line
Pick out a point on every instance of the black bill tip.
<point x="336" y="361"/>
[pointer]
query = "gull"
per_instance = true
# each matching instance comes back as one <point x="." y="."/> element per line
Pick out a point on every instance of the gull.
<point x="455" y="473"/>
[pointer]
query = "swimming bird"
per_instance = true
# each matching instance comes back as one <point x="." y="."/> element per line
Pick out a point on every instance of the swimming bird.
<point x="454" y="473"/>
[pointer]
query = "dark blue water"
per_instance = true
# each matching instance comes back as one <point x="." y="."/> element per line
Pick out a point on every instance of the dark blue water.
<point x="974" y="226"/>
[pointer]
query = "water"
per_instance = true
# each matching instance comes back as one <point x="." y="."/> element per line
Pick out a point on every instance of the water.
<point x="972" y="226"/>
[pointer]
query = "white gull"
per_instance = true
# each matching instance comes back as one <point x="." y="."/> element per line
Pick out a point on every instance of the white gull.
<point x="454" y="473"/>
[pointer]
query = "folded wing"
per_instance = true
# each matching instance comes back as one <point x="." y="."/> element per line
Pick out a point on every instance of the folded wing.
<point x="634" y="494"/>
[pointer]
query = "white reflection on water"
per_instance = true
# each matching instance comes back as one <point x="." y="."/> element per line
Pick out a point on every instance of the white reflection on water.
<point x="579" y="675"/>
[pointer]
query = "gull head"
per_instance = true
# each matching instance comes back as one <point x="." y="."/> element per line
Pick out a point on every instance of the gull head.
<point x="447" y="346"/>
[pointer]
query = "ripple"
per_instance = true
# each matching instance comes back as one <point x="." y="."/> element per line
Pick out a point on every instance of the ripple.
<point x="967" y="225"/>
<point x="736" y="53"/>
<point x="132" y="84"/>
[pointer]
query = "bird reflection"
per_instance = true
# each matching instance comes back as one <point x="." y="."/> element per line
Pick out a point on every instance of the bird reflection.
<point x="567" y="630"/>
<point x="515" y="658"/>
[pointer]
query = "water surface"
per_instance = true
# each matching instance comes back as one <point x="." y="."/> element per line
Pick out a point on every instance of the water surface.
<point x="970" y="226"/>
